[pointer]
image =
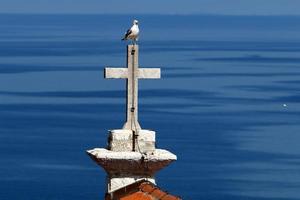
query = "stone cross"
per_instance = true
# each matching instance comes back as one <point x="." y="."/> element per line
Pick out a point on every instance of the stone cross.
<point x="132" y="73"/>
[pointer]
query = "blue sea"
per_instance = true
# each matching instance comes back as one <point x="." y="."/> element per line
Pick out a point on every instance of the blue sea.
<point x="228" y="103"/>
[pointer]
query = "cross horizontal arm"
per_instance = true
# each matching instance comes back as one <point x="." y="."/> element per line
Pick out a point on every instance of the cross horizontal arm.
<point x="143" y="73"/>
<point x="149" y="73"/>
<point x="115" y="72"/>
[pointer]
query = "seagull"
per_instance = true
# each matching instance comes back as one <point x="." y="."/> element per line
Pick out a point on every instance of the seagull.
<point x="133" y="32"/>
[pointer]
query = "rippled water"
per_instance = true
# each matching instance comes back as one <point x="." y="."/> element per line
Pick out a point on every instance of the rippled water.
<point x="227" y="103"/>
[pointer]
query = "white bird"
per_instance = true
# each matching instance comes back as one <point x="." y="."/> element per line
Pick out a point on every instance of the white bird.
<point x="133" y="32"/>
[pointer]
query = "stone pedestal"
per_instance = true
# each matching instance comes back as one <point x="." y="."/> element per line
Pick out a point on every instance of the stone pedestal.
<point x="125" y="166"/>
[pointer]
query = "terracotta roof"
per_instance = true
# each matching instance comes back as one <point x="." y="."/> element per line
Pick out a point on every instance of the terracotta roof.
<point x="142" y="190"/>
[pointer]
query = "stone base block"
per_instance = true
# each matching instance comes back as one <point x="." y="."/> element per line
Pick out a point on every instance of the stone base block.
<point x="115" y="183"/>
<point x="122" y="140"/>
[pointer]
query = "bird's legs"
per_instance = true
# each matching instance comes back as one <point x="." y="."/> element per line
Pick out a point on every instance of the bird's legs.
<point x="134" y="41"/>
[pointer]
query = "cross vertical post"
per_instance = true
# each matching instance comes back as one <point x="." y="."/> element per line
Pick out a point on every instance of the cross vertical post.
<point x="132" y="88"/>
<point x="132" y="73"/>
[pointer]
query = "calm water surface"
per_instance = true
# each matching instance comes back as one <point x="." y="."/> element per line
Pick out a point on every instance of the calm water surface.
<point x="228" y="103"/>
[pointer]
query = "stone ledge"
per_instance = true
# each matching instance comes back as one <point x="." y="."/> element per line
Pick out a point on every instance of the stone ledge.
<point x="131" y="163"/>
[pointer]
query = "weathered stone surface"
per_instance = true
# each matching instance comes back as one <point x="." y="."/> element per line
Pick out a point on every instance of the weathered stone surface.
<point x="122" y="140"/>
<point x="116" y="183"/>
<point x="132" y="163"/>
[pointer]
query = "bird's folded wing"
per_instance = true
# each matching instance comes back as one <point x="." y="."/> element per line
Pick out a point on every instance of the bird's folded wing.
<point x="128" y="32"/>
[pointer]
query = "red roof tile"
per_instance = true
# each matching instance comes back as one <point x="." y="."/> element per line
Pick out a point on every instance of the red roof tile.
<point x="142" y="190"/>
